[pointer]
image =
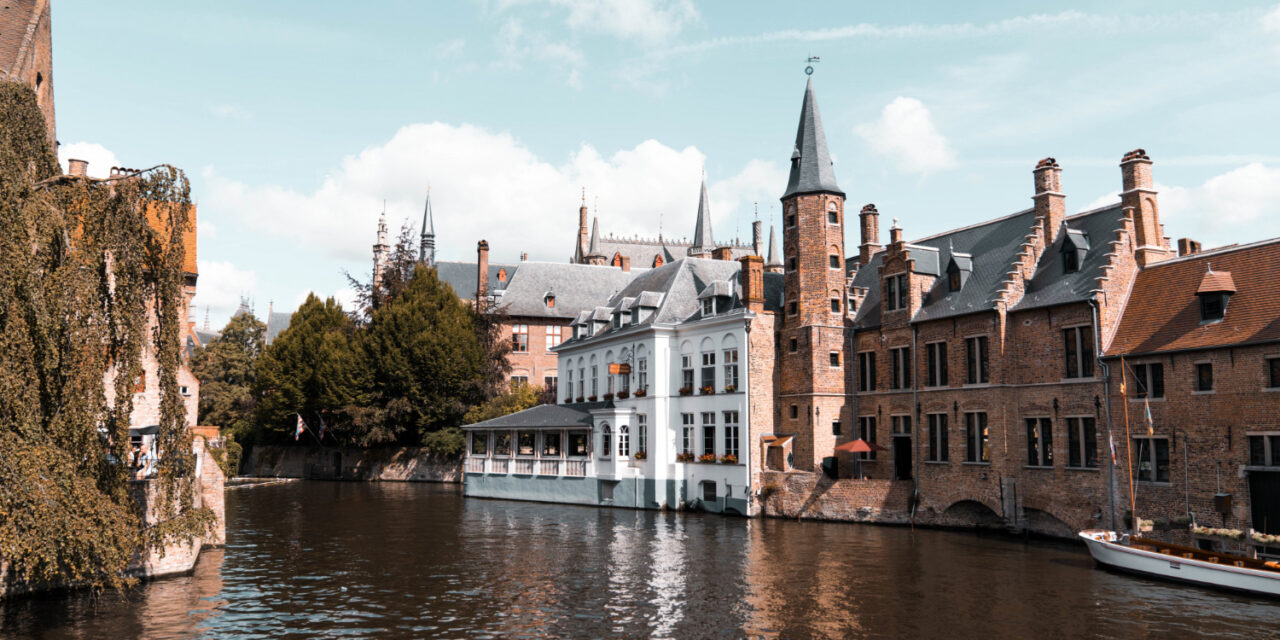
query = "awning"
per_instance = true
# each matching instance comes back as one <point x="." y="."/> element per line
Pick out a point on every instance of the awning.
<point x="860" y="446"/>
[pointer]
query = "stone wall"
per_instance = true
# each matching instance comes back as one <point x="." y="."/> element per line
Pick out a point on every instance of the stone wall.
<point x="404" y="464"/>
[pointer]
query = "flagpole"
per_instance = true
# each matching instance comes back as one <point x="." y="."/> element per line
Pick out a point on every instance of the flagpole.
<point x="1128" y="450"/>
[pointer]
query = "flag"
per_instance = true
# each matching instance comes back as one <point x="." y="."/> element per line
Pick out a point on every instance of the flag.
<point x="321" y="418"/>
<point x="301" y="427"/>
<point x="1112" y="438"/>
<point x="1150" y="427"/>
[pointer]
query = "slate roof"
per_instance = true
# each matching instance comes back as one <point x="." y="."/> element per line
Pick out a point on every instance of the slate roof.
<point x="277" y="322"/>
<point x="544" y="416"/>
<point x="462" y="276"/>
<point x="575" y="286"/>
<point x="702" y="239"/>
<point x="643" y="251"/>
<point x="1163" y="312"/>
<point x="991" y="247"/>
<point x="811" y="169"/>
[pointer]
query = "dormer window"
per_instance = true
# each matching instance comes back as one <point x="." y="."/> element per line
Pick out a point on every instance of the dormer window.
<point x="1070" y="261"/>
<point x="1215" y="291"/>
<point x="896" y="288"/>
<point x="549" y="300"/>
<point x="959" y="267"/>
<point x="1074" y="247"/>
<point x="709" y="307"/>
<point x="953" y="280"/>
<point x="502" y="275"/>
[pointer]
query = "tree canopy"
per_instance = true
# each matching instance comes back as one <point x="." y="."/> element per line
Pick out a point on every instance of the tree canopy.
<point x="226" y="371"/>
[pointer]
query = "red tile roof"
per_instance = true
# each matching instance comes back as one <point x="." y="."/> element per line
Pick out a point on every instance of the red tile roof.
<point x="1163" y="312"/>
<point x="1217" y="282"/>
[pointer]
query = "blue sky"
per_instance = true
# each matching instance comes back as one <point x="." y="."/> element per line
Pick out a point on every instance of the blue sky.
<point x="296" y="120"/>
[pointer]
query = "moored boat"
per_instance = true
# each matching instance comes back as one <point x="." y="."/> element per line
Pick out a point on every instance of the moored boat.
<point x="1183" y="564"/>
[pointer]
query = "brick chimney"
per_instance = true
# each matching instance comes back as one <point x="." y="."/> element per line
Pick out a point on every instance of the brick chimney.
<point x="482" y="270"/>
<point x="1050" y="203"/>
<point x="1187" y="246"/>
<point x="752" y="280"/>
<point x="895" y="235"/>
<point x="626" y="263"/>
<point x="870" y="219"/>
<point x="1139" y="201"/>
<point x="722" y="253"/>
<point x="77" y="167"/>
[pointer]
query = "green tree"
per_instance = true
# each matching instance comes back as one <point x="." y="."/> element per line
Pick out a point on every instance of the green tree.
<point x="520" y="396"/>
<point x="314" y="369"/>
<point x="225" y="369"/>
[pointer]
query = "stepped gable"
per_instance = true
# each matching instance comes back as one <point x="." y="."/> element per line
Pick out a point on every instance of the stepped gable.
<point x="1163" y="311"/>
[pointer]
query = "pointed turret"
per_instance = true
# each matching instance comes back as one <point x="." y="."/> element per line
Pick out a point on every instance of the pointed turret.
<point x="381" y="251"/>
<point x="593" y="251"/>
<point x="427" y="246"/>
<point x="703" y="243"/>
<point x="811" y="170"/>
<point x="773" y="264"/>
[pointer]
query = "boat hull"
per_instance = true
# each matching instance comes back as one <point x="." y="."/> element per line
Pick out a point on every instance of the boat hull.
<point x="1107" y="551"/>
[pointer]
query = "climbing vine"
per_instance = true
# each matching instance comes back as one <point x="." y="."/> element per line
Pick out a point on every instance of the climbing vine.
<point x="91" y="281"/>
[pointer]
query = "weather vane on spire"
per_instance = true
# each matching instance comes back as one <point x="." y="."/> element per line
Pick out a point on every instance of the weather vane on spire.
<point x="808" y="69"/>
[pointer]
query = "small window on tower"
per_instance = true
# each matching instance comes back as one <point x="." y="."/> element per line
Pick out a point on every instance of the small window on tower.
<point x="791" y="308"/>
<point x="791" y="219"/>
<point x="835" y="305"/>
<point x="791" y="264"/>
<point x="793" y="345"/>
<point x="835" y="358"/>
<point x="835" y="262"/>
<point x="833" y="216"/>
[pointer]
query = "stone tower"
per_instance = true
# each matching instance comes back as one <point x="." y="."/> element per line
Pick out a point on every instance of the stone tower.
<point x="427" y="242"/>
<point x="813" y="332"/>
<point x="26" y="53"/>
<point x="381" y="252"/>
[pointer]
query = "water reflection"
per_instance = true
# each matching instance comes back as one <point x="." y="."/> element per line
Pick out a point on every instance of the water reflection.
<point x="400" y="560"/>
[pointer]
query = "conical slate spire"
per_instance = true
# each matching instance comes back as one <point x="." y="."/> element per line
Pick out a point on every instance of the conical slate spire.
<point x="811" y="170"/>
<point x="773" y="251"/>
<point x="702" y="240"/>
<point x="427" y="246"/>
<point x="594" y="248"/>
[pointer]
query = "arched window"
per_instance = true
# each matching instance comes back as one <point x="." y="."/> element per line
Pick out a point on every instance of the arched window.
<point x="606" y="440"/>
<point x="833" y="213"/>
<point x="624" y="441"/>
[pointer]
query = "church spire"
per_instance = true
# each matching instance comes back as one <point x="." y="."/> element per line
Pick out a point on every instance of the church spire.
<point x="593" y="252"/>
<point x="381" y="250"/>
<point x="811" y="170"/>
<point x="773" y="264"/>
<point x="703" y="243"/>
<point x="427" y="245"/>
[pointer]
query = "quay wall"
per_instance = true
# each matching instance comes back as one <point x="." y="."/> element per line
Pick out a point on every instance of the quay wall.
<point x="392" y="464"/>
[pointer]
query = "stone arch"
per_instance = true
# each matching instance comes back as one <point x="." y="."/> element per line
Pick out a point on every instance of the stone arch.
<point x="1044" y="522"/>
<point x="686" y="347"/>
<point x="972" y="513"/>
<point x="707" y="345"/>
<point x="729" y="341"/>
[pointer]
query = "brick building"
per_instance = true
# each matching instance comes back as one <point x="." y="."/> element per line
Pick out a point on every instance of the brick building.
<point x="26" y="52"/>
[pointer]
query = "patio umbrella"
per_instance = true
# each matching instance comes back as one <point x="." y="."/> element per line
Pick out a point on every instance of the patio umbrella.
<point x="860" y="446"/>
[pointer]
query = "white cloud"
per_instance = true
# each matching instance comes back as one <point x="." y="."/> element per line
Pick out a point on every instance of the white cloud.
<point x="100" y="158"/>
<point x="221" y="286"/>
<point x="651" y="21"/>
<point x="517" y="47"/>
<point x="230" y="111"/>
<point x="206" y="231"/>
<point x="906" y="134"/>
<point x="488" y="185"/>
<point x="1271" y="25"/>
<point x="1242" y="202"/>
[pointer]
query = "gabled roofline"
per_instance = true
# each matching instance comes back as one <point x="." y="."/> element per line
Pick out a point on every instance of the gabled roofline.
<point x="1231" y="248"/>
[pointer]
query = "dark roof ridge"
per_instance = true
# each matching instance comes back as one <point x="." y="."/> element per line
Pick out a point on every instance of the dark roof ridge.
<point x="975" y="225"/>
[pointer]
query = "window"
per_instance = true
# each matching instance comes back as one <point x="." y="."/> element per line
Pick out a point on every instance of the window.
<point x="479" y="442"/>
<point x="867" y="431"/>
<point x="791" y="219"/>
<point x="1264" y="450"/>
<point x="520" y="338"/>
<point x="976" y="436"/>
<point x="1082" y="443"/>
<point x="708" y="432"/>
<point x="976" y="360"/>
<point x="502" y="443"/>
<point x="835" y="427"/>
<point x="835" y="261"/>
<point x="595" y="381"/>
<point x="793" y="345"/>
<point x="582" y="376"/>
<point x="642" y="432"/>
<point x="835" y="305"/>
<point x="1070" y="261"/>
<point x="606" y="440"/>
<point x="833" y="216"/>
<point x="551" y="444"/>
<point x="1151" y="459"/>
<point x="709" y="369"/>
<point x="184" y="391"/>
<point x="519" y="380"/>
<point x="1149" y="380"/>
<point x="624" y="441"/>
<point x="791" y="264"/>
<point x="937" y="354"/>
<point x="624" y="382"/>
<point x="1273" y="373"/>
<point x="835" y="359"/>
<point x="686" y="372"/>
<point x="938" y="450"/>
<point x="709" y="491"/>
<point x="578" y="443"/>
<point x="791" y="308"/>
<point x="1204" y="376"/>
<point x="1039" y="442"/>
<point x="731" y="433"/>
<point x="549" y="300"/>
<point x="642" y="374"/>
<point x="795" y="412"/>
<point x="568" y="397"/>
<point x="867" y="371"/>
<point x="1213" y="306"/>
<point x="554" y="336"/>
<point x="1079" y="350"/>
<point x="901" y="425"/>
<point x="709" y="307"/>
<point x="953" y="280"/>
<point x="900" y="368"/>
<point x="896" y="287"/>
<point x="686" y="445"/>
<point x="550" y="386"/>
<point x="524" y="443"/>
<point x="730" y="369"/>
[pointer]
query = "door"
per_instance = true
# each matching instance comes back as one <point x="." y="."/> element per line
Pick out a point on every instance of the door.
<point x="1264" y="500"/>
<point x="902" y="457"/>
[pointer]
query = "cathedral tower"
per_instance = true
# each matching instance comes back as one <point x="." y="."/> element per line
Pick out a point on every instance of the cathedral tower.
<point x="427" y="243"/>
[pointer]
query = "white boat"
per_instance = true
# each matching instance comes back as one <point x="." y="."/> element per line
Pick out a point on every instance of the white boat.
<point x="1184" y="564"/>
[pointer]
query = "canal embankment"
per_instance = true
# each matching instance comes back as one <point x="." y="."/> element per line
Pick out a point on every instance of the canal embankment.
<point x="384" y="464"/>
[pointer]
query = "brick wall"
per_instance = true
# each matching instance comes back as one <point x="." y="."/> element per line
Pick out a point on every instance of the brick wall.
<point x="537" y="363"/>
<point x="26" y="44"/>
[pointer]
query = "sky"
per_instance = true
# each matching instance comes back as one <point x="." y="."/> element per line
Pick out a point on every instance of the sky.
<point x="299" y="123"/>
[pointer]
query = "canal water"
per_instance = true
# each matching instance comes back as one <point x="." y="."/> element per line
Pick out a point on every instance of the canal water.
<point x="331" y="559"/>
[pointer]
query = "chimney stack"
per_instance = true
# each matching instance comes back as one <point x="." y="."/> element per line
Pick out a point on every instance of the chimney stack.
<point x="1139" y="201"/>
<point x="626" y="263"/>
<point x="1187" y="246"/>
<point x="1050" y="203"/>
<point x="524" y="256"/>
<point x="482" y="271"/>
<point x="870" y="219"/>
<point x="77" y="167"/>
<point x="752" y="280"/>
<point x="722" y="253"/>
<point x="757" y="238"/>
<point x="895" y="234"/>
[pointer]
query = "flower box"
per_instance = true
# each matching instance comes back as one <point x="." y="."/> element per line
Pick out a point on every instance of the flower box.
<point x="730" y="388"/>
<point x="686" y="391"/>
<point x="608" y="396"/>
<point x="707" y="457"/>
<point x="639" y="455"/>
<point x="640" y="393"/>
<point x="707" y="391"/>
<point x="684" y="457"/>
<point x="580" y="399"/>
<point x="729" y="459"/>
<point x="623" y="395"/>
<point x="591" y="398"/>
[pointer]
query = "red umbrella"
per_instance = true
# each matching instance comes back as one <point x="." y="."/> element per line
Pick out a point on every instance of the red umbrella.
<point x="860" y="446"/>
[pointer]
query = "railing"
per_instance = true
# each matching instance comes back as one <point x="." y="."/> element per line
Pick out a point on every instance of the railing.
<point x="498" y="465"/>
<point x="548" y="467"/>
<point x="523" y="467"/>
<point x="575" y="468"/>
<point x="475" y="465"/>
